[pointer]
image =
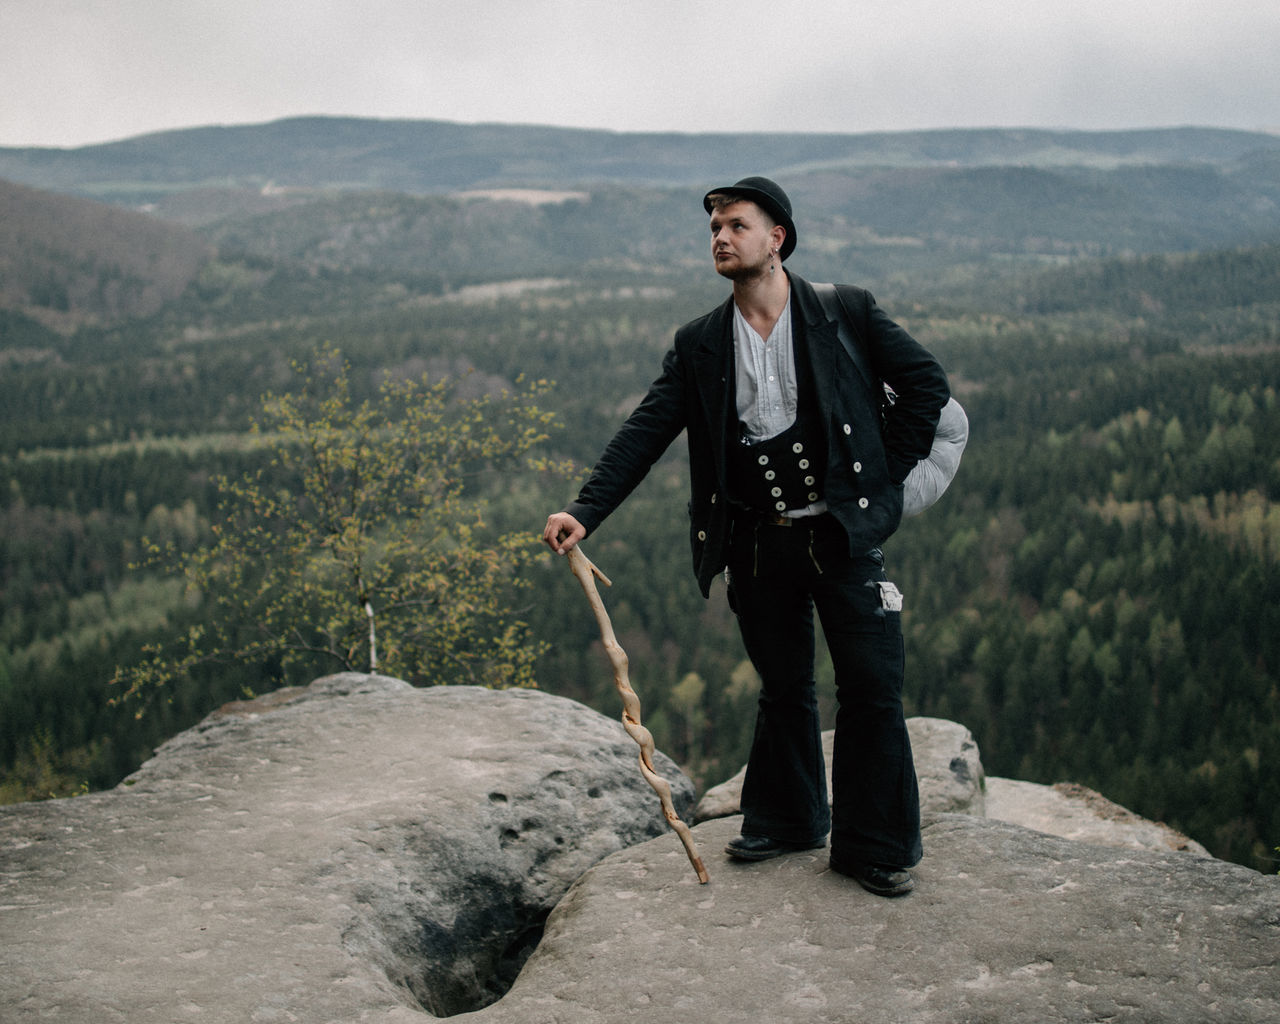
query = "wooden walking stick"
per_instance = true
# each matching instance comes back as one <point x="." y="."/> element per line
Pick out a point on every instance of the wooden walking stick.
<point x="587" y="574"/>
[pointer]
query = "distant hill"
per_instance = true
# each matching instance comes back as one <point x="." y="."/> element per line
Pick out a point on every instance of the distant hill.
<point x="65" y="261"/>
<point x="857" y="225"/>
<point x="345" y="193"/>
<point x="311" y="203"/>
<point x="438" y="156"/>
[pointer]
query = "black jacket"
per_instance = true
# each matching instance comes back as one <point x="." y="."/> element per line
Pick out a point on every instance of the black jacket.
<point x="866" y="463"/>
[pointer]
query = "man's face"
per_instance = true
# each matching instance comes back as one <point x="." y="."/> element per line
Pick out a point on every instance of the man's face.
<point x="742" y="237"/>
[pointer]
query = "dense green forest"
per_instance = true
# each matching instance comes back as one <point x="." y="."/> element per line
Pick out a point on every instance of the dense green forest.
<point x="1097" y="598"/>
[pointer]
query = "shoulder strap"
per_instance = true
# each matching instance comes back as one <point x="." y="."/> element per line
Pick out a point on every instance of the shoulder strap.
<point x="834" y="306"/>
<point x="931" y="476"/>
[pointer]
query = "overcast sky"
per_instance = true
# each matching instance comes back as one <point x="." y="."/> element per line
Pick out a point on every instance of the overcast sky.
<point x="81" y="71"/>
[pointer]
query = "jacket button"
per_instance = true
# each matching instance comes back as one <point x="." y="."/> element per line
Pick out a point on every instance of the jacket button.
<point x="863" y="503"/>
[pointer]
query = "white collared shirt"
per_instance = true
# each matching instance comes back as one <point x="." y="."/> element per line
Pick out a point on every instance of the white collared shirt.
<point x="765" y="376"/>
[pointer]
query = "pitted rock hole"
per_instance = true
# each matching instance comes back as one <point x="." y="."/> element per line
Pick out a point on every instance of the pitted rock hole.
<point x="452" y="904"/>
<point x="451" y="916"/>
<point x="458" y="962"/>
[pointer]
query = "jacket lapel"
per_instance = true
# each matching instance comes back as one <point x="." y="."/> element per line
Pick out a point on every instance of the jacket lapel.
<point x="712" y="367"/>
<point x="820" y="335"/>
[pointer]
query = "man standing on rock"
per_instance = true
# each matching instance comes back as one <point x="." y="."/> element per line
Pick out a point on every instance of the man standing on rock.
<point x="796" y="467"/>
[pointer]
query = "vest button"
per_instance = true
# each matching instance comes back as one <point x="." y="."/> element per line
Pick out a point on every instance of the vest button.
<point x="848" y="429"/>
<point x="813" y="495"/>
<point x="776" y="492"/>
<point x="702" y="535"/>
<point x="763" y="460"/>
<point x="780" y="506"/>
<point x="809" y="481"/>
<point x="797" y="447"/>
<point x="803" y="463"/>
<point x="863" y="503"/>
<point x="769" y="474"/>
<point x="857" y="467"/>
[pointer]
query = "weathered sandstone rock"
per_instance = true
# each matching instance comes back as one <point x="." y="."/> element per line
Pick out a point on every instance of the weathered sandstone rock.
<point x="1006" y="925"/>
<point x="361" y="851"/>
<point x="1075" y="812"/>
<point x="353" y="850"/>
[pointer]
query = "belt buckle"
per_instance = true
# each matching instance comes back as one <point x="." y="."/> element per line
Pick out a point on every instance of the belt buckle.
<point x="775" y="519"/>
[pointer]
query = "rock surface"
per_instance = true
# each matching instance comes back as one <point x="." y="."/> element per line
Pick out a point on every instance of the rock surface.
<point x="361" y="851"/>
<point x="355" y="850"/>
<point x="1075" y="812"/>
<point x="1005" y="925"/>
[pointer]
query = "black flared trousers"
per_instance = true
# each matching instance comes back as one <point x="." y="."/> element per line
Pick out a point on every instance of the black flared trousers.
<point x="778" y="575"/>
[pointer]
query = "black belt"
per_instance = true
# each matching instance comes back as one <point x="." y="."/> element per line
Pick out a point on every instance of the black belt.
<point x="778" y="519"/>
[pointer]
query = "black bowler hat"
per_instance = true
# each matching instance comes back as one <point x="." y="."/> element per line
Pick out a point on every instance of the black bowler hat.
<point x="766" y="194"/>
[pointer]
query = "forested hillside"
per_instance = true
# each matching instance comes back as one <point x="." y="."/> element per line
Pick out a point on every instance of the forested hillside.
<point x="69" y="261"/>
<point x="1096" y="598"/>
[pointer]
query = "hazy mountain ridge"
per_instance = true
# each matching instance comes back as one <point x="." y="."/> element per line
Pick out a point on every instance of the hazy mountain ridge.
<point x="434" y="156"/>
<point x="347" y="196"/>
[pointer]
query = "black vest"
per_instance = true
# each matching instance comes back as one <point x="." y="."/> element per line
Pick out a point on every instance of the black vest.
<point x="784" y="471"/>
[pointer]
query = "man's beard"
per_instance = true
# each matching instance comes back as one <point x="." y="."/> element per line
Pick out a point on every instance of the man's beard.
<point x="739" y="271"/>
